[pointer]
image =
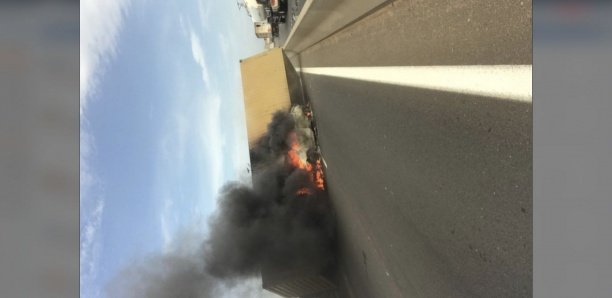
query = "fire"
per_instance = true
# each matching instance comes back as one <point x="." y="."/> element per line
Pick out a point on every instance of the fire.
<point x="307" y="111"/>
<point x="304" y="191"/>
<point x="316" y="171"/>
<point x="318" y="175"/>
<point x="294" y="157"/>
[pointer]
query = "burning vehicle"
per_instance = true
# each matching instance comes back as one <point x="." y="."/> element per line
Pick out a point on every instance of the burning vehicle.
<point x="271" y="85"/>
<point x="306" y="282"/>
<point x="282" y="136"/>
<point x="304" y="152"/>
<point x="310" y="272"/>
<point x="280" y="227"/>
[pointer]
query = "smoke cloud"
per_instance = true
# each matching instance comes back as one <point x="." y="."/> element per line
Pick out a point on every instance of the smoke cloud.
<point x="273" y="144"/>
<point x="164" y="276"/>
<point x="265" y="226"/>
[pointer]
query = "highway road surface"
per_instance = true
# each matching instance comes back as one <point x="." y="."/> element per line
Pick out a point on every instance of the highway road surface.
<point x="294" y="8"/>
<point x="429" y="167"/>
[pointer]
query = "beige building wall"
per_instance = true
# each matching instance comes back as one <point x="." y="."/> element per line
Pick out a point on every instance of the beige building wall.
<point x="265" y="87"/>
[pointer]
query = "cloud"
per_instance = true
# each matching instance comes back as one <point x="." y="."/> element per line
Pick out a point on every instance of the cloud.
<point x="250" y="287"/>
<point x="164" y="219"/>
<point x="173" y="154"/>
<point x="92" y="210"/>
<point x="195" y="120"/>
<point x="204" y="13"/>
<point x="100" y="24"/>
<point x="90" y="248"/>
<point x="183" y="25"/>
<point x="182" y="130"/>
<point x="239" y="153"/>
<point x="200" y="128"/>
<point x="219" y="134"/>
<point x="226" y="49"/>
<point x="212" y="139"/>
<point x="87" y="179"/>
<point x="198" y="56"/>
<point x="187" y="239"/>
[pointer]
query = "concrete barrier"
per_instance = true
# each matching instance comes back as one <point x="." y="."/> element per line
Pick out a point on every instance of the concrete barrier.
<point x="322" y="18"/>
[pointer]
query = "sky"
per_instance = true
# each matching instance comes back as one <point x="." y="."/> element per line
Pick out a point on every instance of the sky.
<point x="162" y="125"/>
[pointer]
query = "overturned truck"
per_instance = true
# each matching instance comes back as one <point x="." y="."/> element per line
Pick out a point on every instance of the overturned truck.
<point x="272" y="86"/>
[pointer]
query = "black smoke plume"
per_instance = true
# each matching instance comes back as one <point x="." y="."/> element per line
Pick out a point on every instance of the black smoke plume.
<point x="273" y="144"/>
<point x="265" y="226"/>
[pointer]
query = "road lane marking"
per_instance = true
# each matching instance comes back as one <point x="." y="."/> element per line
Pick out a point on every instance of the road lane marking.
<point x="301" y="15"/>
<point x="499" y="81"/>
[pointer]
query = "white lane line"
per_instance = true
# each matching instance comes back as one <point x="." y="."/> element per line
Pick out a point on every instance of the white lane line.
<point x="324" y="163"/>
<point x="303" y="12"/>
<point x="500" y="81"/>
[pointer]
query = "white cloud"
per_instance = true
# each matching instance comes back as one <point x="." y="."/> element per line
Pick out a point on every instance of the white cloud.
<point x="216" y="138"/>
<point x="100" y="24"/>
<point x="90" y="247"/>
<point x="206" y="128"/>
<point x="226" y="49"/>
<point x="86" y="177"/>
<point x="204" y="12"/>
<point x="164" y="220"/>
<point x="92" y="210"/>
<point x="183" y="25"/>
<point x="173" y="154"/>
<point x="182" y="129"/>
<point x="210" y="128"/>
<point x="240" y="155"/>
<point x="187" y="239"/>
<point x="212" y="139"/>
<point x="198" y="56"/>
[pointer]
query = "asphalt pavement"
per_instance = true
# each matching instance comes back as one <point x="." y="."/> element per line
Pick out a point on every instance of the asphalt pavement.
<point x="433" y="189"/>
<point x="432" y="32"/>
<point x="294" y="8"/>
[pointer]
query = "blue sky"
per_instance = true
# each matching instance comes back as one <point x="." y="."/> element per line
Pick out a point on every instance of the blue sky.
<point x="162" y="124"/>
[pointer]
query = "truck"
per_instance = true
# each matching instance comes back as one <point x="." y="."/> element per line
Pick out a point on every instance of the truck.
<point x="278" y="10"/>
<point x="266" y="16"/>
<point x="269" y="83"/>
<point x="263" y="30"/>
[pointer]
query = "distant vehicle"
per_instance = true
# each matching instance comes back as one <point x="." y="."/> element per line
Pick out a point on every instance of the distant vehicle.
<point x="255" y="10"/>
<point x="273" y="12"/>
<point x="263" y="30"/>
<point x="278" y="9"/>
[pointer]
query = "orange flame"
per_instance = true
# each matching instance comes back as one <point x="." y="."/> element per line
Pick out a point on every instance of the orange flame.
<point x="316" y="172"/>
<point x="294" y="158"/>
<point x="295" y="161"/>
<point x="303" y="192"/>
<point x="318" y="175"/>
